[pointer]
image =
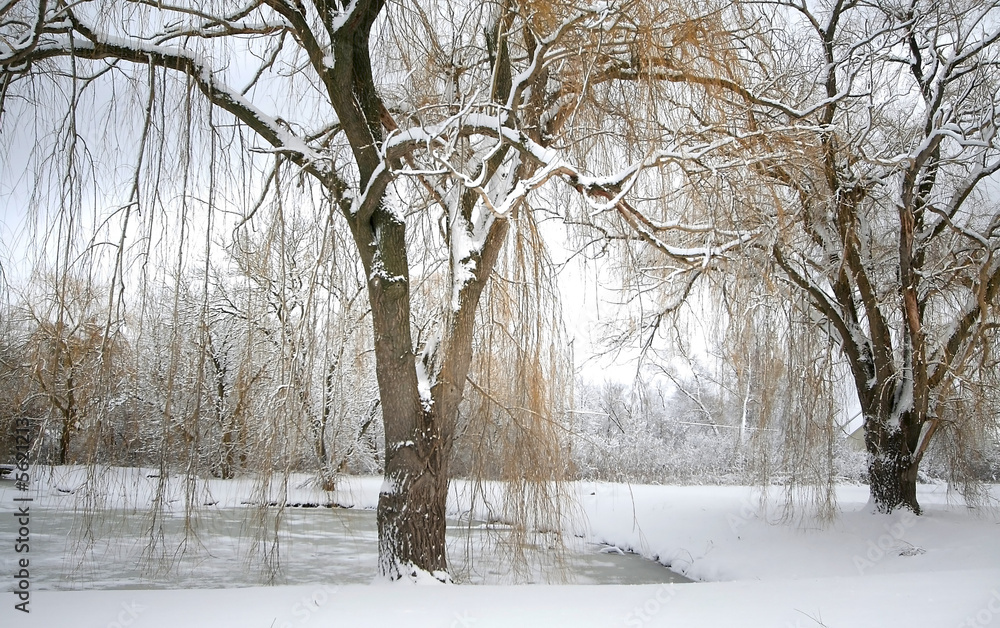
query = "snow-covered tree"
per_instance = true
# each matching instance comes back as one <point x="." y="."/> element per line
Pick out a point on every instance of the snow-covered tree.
<point x="881" y="218"/>
<point x="891" y="225"/>
<point x="432" y="132"/>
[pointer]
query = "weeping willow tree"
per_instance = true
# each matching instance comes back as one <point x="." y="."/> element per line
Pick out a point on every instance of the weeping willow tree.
<point x="886" y="227"/>
<point x="865" y="190"/>
<point x="513" y="427"/>
<point x="424" y="134"/>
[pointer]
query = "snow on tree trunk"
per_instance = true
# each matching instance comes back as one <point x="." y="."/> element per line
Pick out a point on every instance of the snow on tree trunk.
<point x="411" y="504"/>
<point x="892" y="471"/>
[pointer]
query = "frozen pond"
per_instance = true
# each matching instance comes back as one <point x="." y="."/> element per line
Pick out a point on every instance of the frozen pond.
<point x="316" y="546"/>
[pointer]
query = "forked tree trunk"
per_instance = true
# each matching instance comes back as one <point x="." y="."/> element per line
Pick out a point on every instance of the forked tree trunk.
<point x="418" y="417"/>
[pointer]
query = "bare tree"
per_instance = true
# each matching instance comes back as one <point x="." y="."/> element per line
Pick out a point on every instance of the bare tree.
<point x="76" y="365"/>
<point x="880" y="215"/>
<point x="428" y="124"/>
<point x="901" y="255"/>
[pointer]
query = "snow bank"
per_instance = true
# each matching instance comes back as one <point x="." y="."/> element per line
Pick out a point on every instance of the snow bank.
<point x="938" y="570"/>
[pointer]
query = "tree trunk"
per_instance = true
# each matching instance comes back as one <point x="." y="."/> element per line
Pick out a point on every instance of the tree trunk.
<point x="227" y="462"/>
<point x="411" y="506"/>
<point x="64" y="437"/>
<point x="418" y="413"/>
<point x="892" y="467"/>
<point x="419" y="417"/>
<point x="327" y="472"/>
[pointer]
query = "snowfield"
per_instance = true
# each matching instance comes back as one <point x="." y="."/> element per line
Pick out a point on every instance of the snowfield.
<point x="753" y="567"/>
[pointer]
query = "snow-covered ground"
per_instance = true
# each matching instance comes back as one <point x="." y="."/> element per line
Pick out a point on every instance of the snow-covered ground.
<point x="941" y="569"/>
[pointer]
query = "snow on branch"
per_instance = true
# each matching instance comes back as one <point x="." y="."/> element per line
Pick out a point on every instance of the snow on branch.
<point x="955" y="338"/>
<point x="96" y="45"/>
<point x="602" y="193"/>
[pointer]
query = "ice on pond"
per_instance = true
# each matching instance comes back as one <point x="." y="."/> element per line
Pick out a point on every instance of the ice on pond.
<point x="229" y="548"/>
